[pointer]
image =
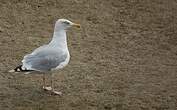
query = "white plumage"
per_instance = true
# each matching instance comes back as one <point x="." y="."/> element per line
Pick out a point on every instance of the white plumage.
<point x="52" y="56"/>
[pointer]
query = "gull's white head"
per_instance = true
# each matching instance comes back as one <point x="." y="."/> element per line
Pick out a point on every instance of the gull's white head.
<point x="64" y="24"/>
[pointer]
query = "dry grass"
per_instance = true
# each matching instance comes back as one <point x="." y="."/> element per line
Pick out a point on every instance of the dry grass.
<point x="123" y="58"/>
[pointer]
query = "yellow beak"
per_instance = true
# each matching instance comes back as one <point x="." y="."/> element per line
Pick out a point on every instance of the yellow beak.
<point x="76" y="25"/>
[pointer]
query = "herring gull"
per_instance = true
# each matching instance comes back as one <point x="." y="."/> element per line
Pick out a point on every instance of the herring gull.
<point x="53" y="56"/>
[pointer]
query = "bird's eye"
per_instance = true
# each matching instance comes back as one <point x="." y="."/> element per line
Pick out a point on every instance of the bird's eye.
<point x="66" y="22"/>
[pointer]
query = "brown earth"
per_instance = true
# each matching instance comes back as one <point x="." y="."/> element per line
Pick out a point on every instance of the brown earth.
<point x="123" y="58"/>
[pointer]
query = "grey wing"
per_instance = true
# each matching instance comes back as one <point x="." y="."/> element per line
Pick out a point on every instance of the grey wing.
<point x="44" y="60"/>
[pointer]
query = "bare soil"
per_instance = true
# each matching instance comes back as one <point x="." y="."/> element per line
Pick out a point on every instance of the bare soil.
<point x="123" y="58"/>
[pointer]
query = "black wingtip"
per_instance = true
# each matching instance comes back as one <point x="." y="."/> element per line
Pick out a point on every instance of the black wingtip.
<point x="19" y="69"/>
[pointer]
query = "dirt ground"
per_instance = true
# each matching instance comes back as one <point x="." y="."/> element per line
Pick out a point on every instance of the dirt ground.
<point x="123" y="58"/>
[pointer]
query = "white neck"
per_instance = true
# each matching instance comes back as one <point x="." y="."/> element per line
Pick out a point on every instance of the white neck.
<point x="59" y="39"/>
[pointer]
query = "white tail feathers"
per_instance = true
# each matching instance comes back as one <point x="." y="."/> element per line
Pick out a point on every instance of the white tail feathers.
<point x="20" y="69"/>
<point x="27" y="72"/>
<point x="11" y="71"/>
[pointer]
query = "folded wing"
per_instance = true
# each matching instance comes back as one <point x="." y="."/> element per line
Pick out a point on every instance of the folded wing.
<point x="44" y="59"/>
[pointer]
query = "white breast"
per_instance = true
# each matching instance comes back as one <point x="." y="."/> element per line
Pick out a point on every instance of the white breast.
<point x="63" y="64"/>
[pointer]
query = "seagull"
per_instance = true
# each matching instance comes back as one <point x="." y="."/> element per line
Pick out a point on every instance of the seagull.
<point x="52" y="56"/>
